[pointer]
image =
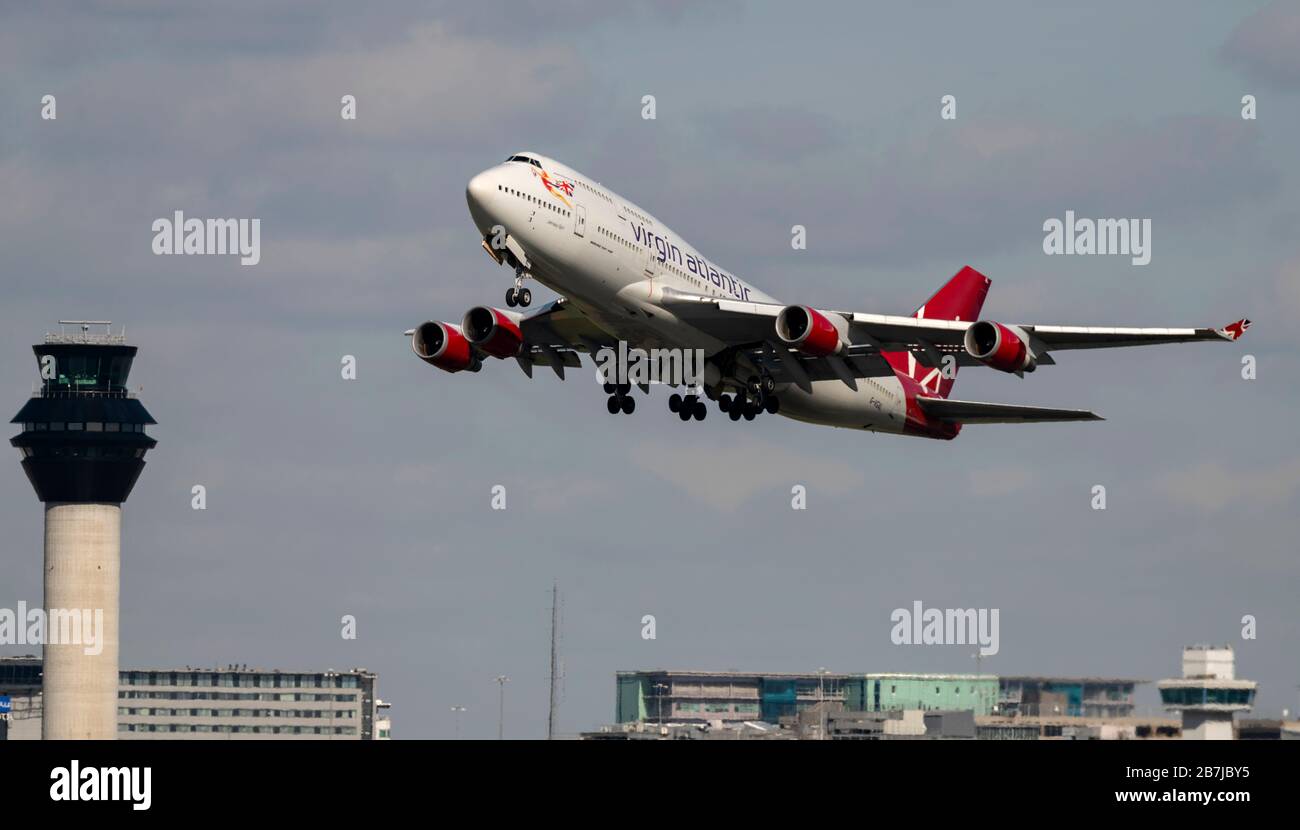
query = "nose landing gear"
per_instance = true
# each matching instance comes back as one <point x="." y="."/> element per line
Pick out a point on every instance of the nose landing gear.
<point x="518" y="295"/>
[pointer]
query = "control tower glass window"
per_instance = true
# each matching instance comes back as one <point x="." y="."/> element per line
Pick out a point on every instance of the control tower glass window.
<point x="90" y="370"/>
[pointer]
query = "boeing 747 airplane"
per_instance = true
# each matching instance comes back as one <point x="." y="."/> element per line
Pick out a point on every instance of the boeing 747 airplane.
<point x="625" y="276"/>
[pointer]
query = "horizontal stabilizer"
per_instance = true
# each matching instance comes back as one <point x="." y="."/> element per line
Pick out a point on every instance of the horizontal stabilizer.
<point x="976" y="412"/>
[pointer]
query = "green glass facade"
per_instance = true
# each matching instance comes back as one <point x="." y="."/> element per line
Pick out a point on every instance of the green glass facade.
<point x="631" y="702"/>
<point x="640" y="696"/>
<point x="886" y="692"/>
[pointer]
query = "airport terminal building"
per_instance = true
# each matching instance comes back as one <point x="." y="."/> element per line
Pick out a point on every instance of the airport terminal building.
<point x="1085" y="697"/>
<point x="700" y="697"/>
<point x="663" y="696"/>
<point x="231" y="703"/>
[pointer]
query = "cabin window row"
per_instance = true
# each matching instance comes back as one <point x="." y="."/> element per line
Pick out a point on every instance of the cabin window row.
<point x="539" y="202"/>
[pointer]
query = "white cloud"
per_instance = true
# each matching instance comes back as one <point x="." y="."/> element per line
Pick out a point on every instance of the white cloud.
<point x="1213" y="486"/>
<point x="725" y="477"/>
<point x="554" y="494"/>
<point x="1288" y="286"/>
<point x="999" y="481"/>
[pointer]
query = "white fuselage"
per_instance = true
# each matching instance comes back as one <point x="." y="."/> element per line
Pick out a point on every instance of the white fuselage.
<point x="614" y="260"/>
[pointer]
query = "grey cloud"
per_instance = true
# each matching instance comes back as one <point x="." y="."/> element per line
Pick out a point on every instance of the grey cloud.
<point x="1266" y="46"/>
<point x="372" y="496"/>
<point x="964" y="192"/>
<point x="768" y="133"/>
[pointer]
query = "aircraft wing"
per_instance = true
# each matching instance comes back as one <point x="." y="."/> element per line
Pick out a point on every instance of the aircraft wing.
<point x="555" y="334"/>
<point x="976" y="412"/>
<point x="869" y="334"/>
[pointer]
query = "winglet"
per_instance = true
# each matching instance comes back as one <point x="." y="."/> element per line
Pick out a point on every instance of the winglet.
<point x="1234" y="331"/>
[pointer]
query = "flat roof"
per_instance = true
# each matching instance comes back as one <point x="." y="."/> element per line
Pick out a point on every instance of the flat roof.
<point x="1042" y="678"/>
<point x="240" y="669"/>
<point x="737" y="674"/>
<point x="808" y="675"/>
<point x="1021" y="678"/>
<point x="905" y="675"/>
<point x="31" y="659"/>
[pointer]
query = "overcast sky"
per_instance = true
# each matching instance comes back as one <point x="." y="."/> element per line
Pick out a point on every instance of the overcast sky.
<point x="372" y="497"/>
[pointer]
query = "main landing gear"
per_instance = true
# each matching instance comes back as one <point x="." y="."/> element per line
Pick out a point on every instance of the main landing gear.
<point x="688" y="406"/>
<point x="518" y="295"/>
<point x="750" y="405"/>
<point x="737" y="406"/>
<point x="620" y="399"/>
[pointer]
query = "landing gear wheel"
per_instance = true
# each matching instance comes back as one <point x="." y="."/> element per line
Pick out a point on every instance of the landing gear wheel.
<point x="685" y="407"/>
<point x="749" y="413"/>
<point x="674" y="402"/>
<point x="734" y="413"/>
<point x="609" y="388"/>
<point x="525" y="297"/>
<point x="612" y="405"/>
<point x="724" y="403"/>
<point x="700" y="410"/>
<point x="512" y="297"/>
<point x="629" y="404"/>
<point x="772" y="405"/>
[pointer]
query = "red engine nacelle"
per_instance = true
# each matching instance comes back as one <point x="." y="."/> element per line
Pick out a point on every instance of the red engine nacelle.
<point x="808" y="330"/>
<point x="1000" y="347"/>
<point x="493" y="330"/>
<point x="444" y="346"/>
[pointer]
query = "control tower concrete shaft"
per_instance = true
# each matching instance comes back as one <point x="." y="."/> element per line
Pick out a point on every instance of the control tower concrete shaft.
<point x="83" y="443"/>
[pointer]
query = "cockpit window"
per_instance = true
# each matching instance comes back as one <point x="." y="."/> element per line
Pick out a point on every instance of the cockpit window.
<point x="525" y="160"/>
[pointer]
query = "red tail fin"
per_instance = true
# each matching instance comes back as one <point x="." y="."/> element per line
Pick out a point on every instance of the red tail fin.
<point x="960" y="298"/>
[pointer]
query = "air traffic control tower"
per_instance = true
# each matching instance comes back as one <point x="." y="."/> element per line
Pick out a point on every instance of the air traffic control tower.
<point x="83" y="443"/>
<point x="1208" y="693"/>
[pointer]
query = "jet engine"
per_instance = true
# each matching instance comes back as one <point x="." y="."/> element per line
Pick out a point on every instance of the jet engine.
<point x="443" y="345"/>
<point x="809" y="331"/>
<point x="493" y="330"/>
<point x="1002" y="347"/>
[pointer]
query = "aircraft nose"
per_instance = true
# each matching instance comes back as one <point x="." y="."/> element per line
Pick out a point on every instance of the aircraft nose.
<point x="476" y="192"/>
<point x="479" y="194"/>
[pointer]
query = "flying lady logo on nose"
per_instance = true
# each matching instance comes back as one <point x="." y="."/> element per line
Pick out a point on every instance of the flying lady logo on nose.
<point x="557" y="187"/>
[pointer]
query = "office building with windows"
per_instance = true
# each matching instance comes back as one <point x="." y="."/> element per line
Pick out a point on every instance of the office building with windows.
<point x="938" y="692"/>
<point x="701" y="697"/>
<point x="1085" y="697"/>
<point x="231" y="703"/>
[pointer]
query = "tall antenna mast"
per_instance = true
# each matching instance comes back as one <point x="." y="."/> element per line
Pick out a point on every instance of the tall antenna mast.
<point x="555" y="603"/>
